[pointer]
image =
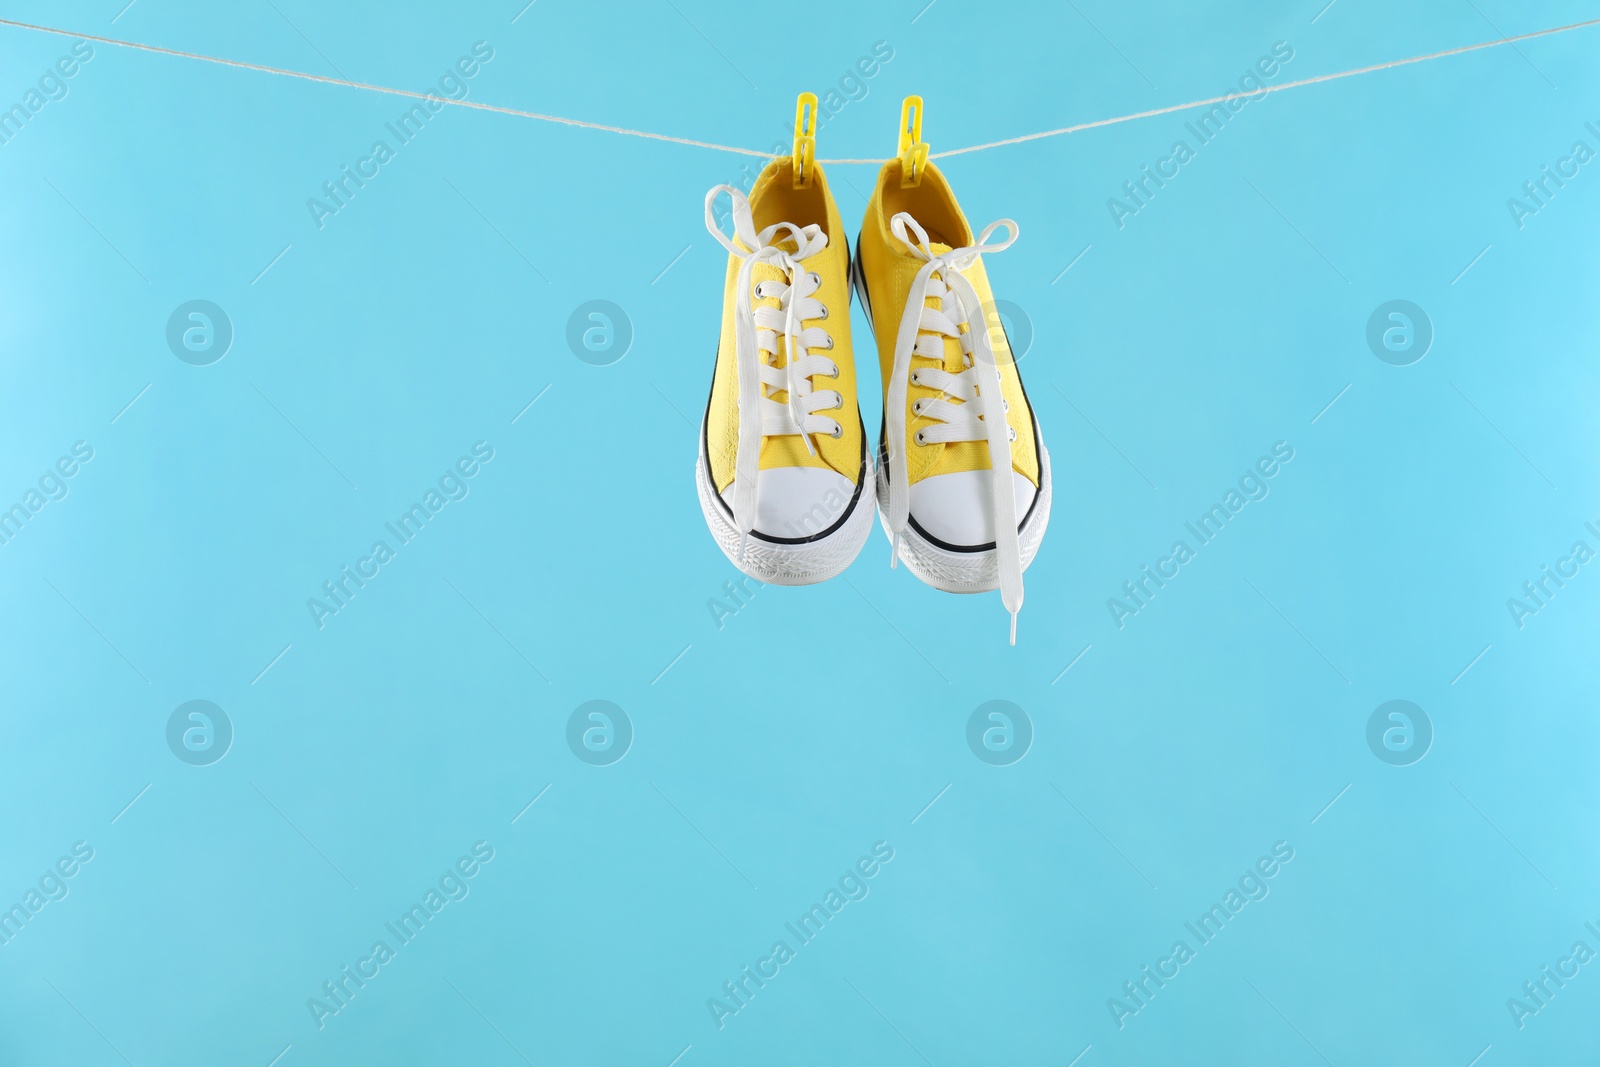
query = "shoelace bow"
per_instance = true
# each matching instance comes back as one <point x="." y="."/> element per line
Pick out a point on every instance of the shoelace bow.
<point x="923" y="331"/>
<point x="758" y="330"/>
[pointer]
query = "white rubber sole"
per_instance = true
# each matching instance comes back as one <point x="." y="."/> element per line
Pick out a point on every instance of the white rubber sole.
<point x="957" y="572"/>
<point x="968" y="572"/>
<point x="805" y="563"/>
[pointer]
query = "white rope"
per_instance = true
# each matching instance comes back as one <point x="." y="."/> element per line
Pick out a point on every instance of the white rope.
<point x="384" y="89"/>
<point x="759" y="154"/>
<point x="1265" y="89"/>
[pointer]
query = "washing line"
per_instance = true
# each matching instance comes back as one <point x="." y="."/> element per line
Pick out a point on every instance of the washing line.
<point x="758" y="153"/>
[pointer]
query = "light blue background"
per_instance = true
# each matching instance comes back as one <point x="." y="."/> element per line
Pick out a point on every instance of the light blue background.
<point x="772" y="752"/>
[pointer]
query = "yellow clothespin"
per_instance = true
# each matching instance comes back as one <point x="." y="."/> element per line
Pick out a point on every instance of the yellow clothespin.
<point x="913" y="150"/>
<point x="805" y="139"/>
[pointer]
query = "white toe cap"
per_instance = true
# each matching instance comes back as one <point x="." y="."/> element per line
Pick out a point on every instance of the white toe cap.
<point x="956" y="508"/>
<point x="797" y="502"/>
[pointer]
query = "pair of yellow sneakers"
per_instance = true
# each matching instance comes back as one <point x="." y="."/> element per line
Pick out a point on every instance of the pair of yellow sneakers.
<point x="784" y="467"/>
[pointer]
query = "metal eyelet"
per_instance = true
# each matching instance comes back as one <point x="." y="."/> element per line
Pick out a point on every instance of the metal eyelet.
<point x="916" y="407"/>
<point x="1013" y="436"/>
<point x="824" y="312"/>
<point x="838" y="429"/>
<point x="919" y="438"/>
<point x="816" y="278"/>
<point x="829" y="347"/>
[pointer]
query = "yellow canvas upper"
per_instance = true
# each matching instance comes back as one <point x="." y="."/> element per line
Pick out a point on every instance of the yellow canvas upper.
<point x="774" y="199"/>
<point x="889" y="269"/>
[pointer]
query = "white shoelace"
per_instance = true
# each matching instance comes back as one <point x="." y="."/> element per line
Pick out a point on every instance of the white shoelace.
<point x="981" y="414"/>
<point x="762" y="330"/>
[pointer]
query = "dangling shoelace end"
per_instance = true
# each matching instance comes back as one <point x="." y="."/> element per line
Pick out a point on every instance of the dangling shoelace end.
<point x="745" y="537"/>
<point x="894" y="551"/>
<point x="1013" y="629"/>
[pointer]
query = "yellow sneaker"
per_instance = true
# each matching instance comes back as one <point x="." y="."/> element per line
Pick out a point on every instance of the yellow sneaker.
<point x="783" y="457"/>
<point x="954" y="406"/>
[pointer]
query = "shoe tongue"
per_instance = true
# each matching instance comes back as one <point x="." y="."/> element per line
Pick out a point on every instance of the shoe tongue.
<point x="953" y="361"/>
<point x="787" y="241"/>
<point x="767" y="272"/>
